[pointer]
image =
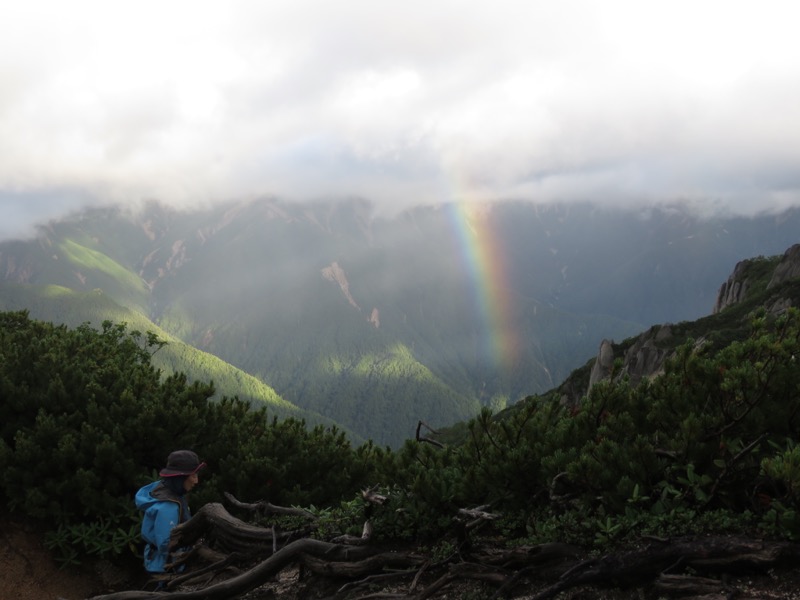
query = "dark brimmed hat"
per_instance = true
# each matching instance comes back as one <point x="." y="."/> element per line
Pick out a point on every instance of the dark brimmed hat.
<point x="182" y="462"/>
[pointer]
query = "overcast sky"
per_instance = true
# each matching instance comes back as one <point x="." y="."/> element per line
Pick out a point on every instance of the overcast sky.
<point x="400" y="102"/>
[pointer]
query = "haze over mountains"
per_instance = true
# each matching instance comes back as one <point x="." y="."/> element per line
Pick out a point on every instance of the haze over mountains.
<point x="377" y="322"/>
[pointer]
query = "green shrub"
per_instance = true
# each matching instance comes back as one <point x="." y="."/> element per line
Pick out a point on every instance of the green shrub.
<point x="707" y="446"/>
<point x="88" y="420"/>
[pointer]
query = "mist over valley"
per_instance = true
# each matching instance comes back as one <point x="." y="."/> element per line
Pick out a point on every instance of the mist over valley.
<point x="377" y="322"/>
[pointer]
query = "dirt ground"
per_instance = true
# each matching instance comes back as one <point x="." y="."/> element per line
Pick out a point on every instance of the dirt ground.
<point x="28" y="571"/>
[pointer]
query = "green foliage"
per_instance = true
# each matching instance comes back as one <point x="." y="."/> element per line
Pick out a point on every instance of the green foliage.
<point x="71" y="308"/>
<point x="683" y="451"/>
<point x="283" y="462"/>
<point x="783" y="470"/>
<point x="425" y="487"/>
<point x="346" y="518"/>
<point x="106" y="537"/>
<point x="202" y="281"/>
<point x="707" y="446"/>
<point x="85" y="411"/>
<point x="781" y="521"/>
<point x="107" y="270"/>
<point x="87" y="419"/>
<point x="781" y="491"/>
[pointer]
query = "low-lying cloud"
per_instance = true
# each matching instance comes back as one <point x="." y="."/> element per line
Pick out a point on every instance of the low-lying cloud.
<point x="401" y="103"/>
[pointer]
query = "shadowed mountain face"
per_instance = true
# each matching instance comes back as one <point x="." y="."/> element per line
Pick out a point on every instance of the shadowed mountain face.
<point x="377" y="323"/>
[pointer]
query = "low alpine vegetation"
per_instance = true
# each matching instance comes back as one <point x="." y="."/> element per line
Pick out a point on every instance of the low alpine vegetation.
<point x="709" y="445"/>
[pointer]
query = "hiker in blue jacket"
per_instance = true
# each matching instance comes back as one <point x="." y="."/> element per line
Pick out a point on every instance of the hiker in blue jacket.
<point x="165" y="505"/>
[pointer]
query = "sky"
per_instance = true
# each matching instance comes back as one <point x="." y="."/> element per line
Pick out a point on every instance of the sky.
<point x="632" y="102"/>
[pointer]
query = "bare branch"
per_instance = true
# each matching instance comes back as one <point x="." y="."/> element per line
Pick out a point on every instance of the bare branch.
<point x="427" y="439"/>
<point x="477" y="513"/>
<point x="370" y="496"/>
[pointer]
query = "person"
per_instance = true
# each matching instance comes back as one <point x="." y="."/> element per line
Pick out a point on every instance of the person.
<point x="164" y="503"/>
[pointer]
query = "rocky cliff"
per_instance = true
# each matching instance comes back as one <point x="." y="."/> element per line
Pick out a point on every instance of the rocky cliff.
<point x="734" y="289"/>
<point x="645" y="356"/>
<point x="788" y="268"/>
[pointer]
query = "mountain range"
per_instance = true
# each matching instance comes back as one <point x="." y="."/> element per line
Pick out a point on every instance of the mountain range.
<point x="335" y="314"/>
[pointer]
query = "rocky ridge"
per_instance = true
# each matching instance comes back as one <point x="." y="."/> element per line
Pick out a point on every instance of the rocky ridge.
<point x="646" y="356"/>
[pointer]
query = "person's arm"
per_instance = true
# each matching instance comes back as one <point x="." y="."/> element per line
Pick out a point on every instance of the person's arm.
<point x="166" y="519"/>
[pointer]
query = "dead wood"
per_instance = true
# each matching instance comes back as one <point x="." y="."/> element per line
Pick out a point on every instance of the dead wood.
<point x="459" y="572"/>
<point x="477" y="513"/>
<point x="660" y="563"/>
<point x="498" y="567"/>
<point x="526" y="556"/>
<point x="267" y="508"/>
<point x="478" y="517"/>
<point x="425" y="439"/>
<point x="381" y="578"/>
<point x="225" y="563"/>
<point x="353" y="540"/>
<point x="367" y="566"/>
<point x="251" y="579"/>
<point x="711" y="554"/>
<point x="227" y="533"/>
<point x="372" y="497"/>
<point x="688" y="584"/>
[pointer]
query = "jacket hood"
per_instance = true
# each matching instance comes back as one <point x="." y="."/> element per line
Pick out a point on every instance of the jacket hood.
<point x="143" y="498"/>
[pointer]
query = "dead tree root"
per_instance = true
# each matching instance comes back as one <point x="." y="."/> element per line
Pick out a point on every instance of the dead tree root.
<point x="671" y="567"/>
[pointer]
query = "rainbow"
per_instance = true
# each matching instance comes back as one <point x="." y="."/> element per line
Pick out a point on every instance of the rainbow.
<point x="485" y="261"/>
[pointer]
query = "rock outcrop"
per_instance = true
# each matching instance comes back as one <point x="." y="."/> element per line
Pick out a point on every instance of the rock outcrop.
<point x="788" y="268"/>
<point x="734" y="289"/>
<point x="646" y="356"/>
<point x="603" y="364"/>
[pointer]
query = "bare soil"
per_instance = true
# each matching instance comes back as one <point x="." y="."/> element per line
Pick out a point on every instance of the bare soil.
<point x="28" y="570"/>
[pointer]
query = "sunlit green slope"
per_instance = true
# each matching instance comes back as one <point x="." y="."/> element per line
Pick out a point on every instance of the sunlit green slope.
<point x="59" y="304"/>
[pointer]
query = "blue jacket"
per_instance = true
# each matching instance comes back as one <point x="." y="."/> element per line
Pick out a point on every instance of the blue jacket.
<point x="163" y="510"/>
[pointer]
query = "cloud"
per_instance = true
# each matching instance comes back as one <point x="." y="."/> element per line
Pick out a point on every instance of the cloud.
<point x="412" y="102"/>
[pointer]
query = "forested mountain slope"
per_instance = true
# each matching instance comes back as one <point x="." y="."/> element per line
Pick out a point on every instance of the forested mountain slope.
<point x="377" y="322"/>
<point x="62" y="305"/>
<point x="766" y="286"/>
<point x="689" y="466"/>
